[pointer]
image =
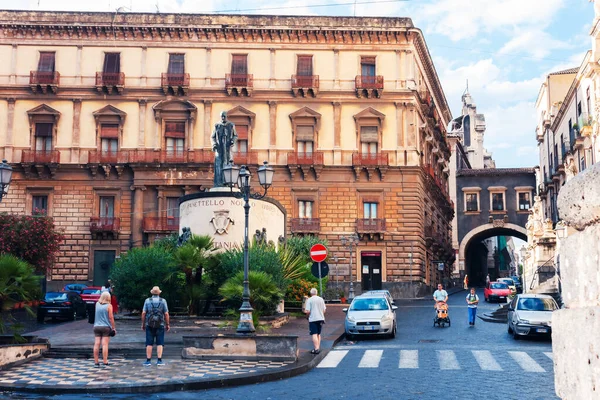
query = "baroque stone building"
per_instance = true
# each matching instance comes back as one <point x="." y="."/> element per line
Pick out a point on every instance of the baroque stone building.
<point x="107" y="117"/>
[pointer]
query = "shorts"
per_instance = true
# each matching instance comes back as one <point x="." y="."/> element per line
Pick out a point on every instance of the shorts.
<point x="314" y="327"/>
<point x="155" y="333"/>
<point x="101" y="331"/>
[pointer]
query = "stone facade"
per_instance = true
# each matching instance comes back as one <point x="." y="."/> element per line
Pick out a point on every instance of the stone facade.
<point x="107" y="120"/>
<point x="575" y="343"/>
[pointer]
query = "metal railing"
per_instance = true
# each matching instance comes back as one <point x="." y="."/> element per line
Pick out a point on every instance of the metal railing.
<point x="105" y="224"/>
<point x="160" y="224"/>
<point x="306" y="225"/>
<point x="305" y="81"/>
<point x="182" y="80"/>
<point x="110" y="79"/>
<point x="249" y="157"/>
<point x="369" y="82"/>
<point x="314" y="158"/>
<point x="41" y="156"/>
<point x="101" y="157"/>
<point x="368" y="159"/>
<point x="44" y="78"/>
<point x="239" y="80"/>
<point x="370" y="225"/>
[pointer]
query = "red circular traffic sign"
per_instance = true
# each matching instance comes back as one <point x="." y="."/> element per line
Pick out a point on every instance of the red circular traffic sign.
<point x="318" y="252"/>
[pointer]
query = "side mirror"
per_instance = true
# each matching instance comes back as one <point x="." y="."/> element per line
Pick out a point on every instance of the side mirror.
<point x="394" y="308"/>
<point x="344" y="309"/>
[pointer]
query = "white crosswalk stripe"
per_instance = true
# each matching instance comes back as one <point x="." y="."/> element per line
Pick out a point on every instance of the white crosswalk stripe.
<point x="371" y="359"/>
<point x="549" y="355"/>
<point x="447" y="359"/>
<point x="333" y="359"/>
<point x="486" y="361"/>
<point x="526" y="362"/>
<point x="409" y="359"/>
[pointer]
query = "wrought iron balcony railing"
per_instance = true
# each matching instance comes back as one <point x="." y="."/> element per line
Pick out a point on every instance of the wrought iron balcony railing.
<point x="160" y="224"/>
<point x="314" y="158"/>
<point x="105" y="224"/>
<point x="110" y="79"/>
<point x="369" y="159"/>
<point x="369" y="82"/>
<point x="306" y="225"/>
<point x="239" y="80"/>
<point x="370" y="225"/>
<point x="41" y="156"/>
<point x="44" y="78"/>
<point x="176" y="80"/>
<point x="305" y="81"/>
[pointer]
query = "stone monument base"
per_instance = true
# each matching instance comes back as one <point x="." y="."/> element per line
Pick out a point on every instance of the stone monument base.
<point x="240" y="347"/>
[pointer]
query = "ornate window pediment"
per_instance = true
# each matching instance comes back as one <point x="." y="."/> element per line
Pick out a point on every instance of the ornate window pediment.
<point x="369" y="123"/>
<point x="107" y="119"/>
<point x="43" y="113"/>
<point x="43" y="122"/>
<point x="241" y="116"/>
<point x="175" y="109"/>
<point x="305" y="123"/>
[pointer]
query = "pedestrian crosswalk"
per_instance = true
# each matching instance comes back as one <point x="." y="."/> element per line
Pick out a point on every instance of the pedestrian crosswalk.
<point x="445" y="360"/>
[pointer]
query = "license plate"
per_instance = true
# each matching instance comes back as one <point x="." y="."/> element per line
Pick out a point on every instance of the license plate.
<point x="542" y="330"/>
<point x="368" y="328"/>
<point x="90" y="302"/>
<point x="502" y="297"/>
<point x="53" y="311"/>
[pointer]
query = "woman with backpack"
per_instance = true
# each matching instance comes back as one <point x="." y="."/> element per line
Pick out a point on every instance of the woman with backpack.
<point x="104" y="326"/>
<point x="155" y="320"/>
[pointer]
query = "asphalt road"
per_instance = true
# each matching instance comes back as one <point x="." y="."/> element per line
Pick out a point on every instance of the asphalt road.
<point x="422" y="362"/>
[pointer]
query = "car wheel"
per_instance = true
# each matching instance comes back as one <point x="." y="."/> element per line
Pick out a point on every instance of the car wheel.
<point x="516" y="336"/>
<point x="393" y="334"/>
<point x="349" y="336"/>
<point x="74" y="316"/>
<point x="40" y="318"/>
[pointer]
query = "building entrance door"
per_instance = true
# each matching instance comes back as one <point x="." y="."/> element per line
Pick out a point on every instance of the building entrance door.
<point x="103" y="262"/>
<point x="370" y="262"/>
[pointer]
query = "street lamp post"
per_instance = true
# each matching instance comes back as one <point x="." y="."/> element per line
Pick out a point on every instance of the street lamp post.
<point x="5" y="177"/>
<point x="234" y="175"/>
<point x="350" y="242"/>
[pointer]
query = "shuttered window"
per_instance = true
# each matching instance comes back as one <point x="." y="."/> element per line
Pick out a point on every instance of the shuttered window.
<point x="43" y="129"/>
<point x="242" y="132"/>
<point x="110" y="131"/>
<point x="239" y="64"/>
<point x="305" y="133"/>
<point x="175" y="129"/>
<point x="369" y="134"/>
<point x="112" y="63"/>
<point x="304" y="67"/>
<point x="46" y="63"/>
<point x="367" y="66"/>
<point x="176" y="64"/>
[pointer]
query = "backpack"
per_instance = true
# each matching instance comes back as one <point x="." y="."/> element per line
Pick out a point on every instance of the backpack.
<point x="156" y="317"/>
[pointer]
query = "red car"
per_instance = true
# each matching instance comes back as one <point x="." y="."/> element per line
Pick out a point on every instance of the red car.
<point x="498" y="291"/>
<point x="91" y="294"/>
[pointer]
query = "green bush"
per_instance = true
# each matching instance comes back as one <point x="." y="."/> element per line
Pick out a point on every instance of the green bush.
<point x="261" y="259"/>
<point x="17" y="284"/>
<point x="298" y="289"/>
<point x="136" y="272"/>
<point x="301" y="245"/>
<point x="264" y="293"/>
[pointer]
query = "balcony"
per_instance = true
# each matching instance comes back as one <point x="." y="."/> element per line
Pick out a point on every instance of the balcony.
<point x="306" y="225"/>
<point x="370" y="160"/>
<point x="305" y="85"/>
<point x="160" y="224"/>
<point x="248" y="158"/>
<point x="110" y="81"/>
<point x="369" y="85"/>
<point x="369" y="227"/>
<point x="314" y="158"/>
<point x="239" y="84"/>
<point x="100" y="157"/>
<point x="41" y="157"/>
<point x="173" y="157"/>
<point x="431" y="172"/>
<point x="43" y="82"/>
<point x="175" y="84"/>
<point x="102" y="227"/>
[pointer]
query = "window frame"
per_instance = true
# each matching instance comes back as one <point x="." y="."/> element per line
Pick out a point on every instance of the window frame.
<point x="32" y="192"/>
<point x="235" y="61"/>
<point x="497" y="190"/>
<point x="524" y="189"/>
<point x="117" y="64"/>
<point x="471" y="190"/>
<point x="303" y="194"/>
<point x="172" y="62"/>
<point x="47" y="54"/>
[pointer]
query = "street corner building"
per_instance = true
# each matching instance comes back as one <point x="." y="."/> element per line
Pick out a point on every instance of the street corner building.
<point x="107" y="119"/>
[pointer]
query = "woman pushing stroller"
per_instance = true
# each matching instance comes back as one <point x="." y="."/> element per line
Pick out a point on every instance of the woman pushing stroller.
<point x="441" y="307"/>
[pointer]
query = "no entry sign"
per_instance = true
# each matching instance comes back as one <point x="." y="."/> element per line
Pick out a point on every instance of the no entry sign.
<point x="318" y="253"/>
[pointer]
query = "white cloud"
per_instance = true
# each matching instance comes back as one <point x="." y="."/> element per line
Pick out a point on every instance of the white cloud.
<point x="535" y="42"/>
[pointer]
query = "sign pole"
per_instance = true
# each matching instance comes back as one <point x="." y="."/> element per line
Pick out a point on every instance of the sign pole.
<point x="320" y="281"/>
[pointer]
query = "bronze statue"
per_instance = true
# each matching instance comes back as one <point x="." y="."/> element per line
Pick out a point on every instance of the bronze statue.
<point x="223" y="139"/>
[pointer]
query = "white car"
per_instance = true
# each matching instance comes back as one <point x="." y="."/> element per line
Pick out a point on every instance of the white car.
<point x="531" y="315"/>
<point x="370" y="315"/>
<point x="511" y="284"/>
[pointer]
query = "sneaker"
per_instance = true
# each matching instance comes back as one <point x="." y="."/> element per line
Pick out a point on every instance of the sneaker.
<point x="147" y="363"/>
<point x="97" y="365"/>
<point x="160" y="362"/>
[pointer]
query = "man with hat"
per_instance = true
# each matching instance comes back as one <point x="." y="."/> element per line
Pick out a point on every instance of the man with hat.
<point x="155" y="318"/>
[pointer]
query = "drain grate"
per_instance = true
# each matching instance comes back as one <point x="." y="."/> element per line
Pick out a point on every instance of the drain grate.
<point x="429" y="341"/>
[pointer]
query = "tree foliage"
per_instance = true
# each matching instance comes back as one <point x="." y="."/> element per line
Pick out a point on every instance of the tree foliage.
<point x="264" y="293"/>
<point x="31" y="238"/>
<point x="18" y="283"/>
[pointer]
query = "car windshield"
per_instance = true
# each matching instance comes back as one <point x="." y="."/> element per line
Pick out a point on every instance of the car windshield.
<point x="369" y="304"/>
<point x="536" y="304"/>
<point x="90" y="291"/>
<point x="508" y="281"/>
<point x="499" y="286"/>
<point x="56" y="296"/>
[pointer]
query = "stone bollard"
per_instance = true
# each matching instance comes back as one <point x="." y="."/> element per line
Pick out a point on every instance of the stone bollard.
<point x="575" y="329"/>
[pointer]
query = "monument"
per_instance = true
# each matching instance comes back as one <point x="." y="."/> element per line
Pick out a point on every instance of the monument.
<point x="223" y="139"/>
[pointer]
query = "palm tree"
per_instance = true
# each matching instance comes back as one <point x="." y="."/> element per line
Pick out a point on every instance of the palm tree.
<point x="18" y="283"/>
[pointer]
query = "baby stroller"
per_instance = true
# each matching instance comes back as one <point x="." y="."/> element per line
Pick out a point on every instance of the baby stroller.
<point x="441" y="317"/>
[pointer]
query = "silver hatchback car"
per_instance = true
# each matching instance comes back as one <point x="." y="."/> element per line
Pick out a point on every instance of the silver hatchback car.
<point x="531" y="315"/>
<point x="370" y="315"/>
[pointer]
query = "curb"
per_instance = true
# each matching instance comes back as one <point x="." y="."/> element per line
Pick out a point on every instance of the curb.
<point x="304" y="364"/>
<point x="492" y="319"/>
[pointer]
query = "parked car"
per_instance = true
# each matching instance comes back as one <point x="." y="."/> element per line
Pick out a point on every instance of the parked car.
<point x="384" y="293"/>
<point x="91" y="294"/>
<point x="531" y="315"/>
<point x="74" y="287"/>
<point x="510" y="283"/>
<point x="67" y="305"/>
<point x="498" y="291"/>
<point x="372" y="315"/>
<point x="518" y="283"/>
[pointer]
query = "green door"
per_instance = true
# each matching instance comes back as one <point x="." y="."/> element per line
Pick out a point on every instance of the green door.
<point x="103" y="262"/>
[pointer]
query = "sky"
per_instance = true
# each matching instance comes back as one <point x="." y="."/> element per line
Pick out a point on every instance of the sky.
<point x="503" y="48"/>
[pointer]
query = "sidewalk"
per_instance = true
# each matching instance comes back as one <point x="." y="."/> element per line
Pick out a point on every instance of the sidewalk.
<point x="76" y="374"/>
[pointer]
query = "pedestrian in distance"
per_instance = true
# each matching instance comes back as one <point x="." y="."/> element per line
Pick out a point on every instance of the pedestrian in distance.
<point x="466" y="282"/>
<point x="472" y="301"/>
<point x="155" y="321"/>
<point x="104" y="323"/>
<point x="315" y="309"/>
<point x="487" y="279"/>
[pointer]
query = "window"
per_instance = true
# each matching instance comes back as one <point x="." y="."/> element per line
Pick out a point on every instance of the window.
<point x="369" y="137"/>
<point x="176" y="64"/>
<point x="472" y="202"/>
<point x="43" y="136"/>
<point x="582" y="164"/>
<point x="369" y="210"/>
<point x="175" y="137"/>
<point x="39" y="203"/>
<point x="112" y="63"/>
<point x="367" y="66"/>
<point x="239" y="64"/>
<point x="304" y="138"/>
<point x="107" y="207"/>
<point x="305" y="208"/>
<point x="175" y="146"/>
<point x="587" y="101"/>
<point x="524" y="201"/>
<point x="109" y="138"/>
<point x="304" y="67"/>
<point x="497" y="201"/>
<point x="46" y="62"/>
<point x="579" y="109"/>
<point x="305" y="147"/>
<point x="241" y="144"/>
<point x="172" y="207"/>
